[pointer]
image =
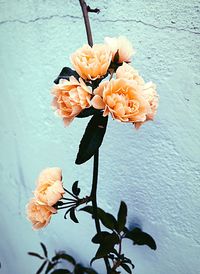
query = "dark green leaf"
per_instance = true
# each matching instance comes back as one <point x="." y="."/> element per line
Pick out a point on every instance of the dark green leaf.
<point x="90" y="271"/>
<point x="88" y="112"/>
<point x="59" y="203"/>
<point x="65" y="74"/>
<point x="50" y="266"/>
<point x="141" y="238"/>
<point x="64" y="256"/>
<point x="65" y="216"/>
<point x="41" y="267"/>
<point x="121" y="217"/>
<point x="92" y="138"/>
<point x="79" y="269"/>
<point x="102" y="251"/>
<point x="128" y="261"/>
<point x="61" y="271"/>
<point x="44" y="250"/>
<point x="107" y="219"/>
<point x="99" y="237"/>
<point x="88" y="209"/>
<point x="114" y="251"/>
<point x="35" y="255"/>
<point x="75" y="189"/>
<point x="72" y="215"/>
<point x="107" y="245"/>
<point x="127" y="268"/>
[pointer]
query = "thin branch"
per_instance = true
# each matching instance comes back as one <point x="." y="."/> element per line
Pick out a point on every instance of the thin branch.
<point x="84" y="8"/>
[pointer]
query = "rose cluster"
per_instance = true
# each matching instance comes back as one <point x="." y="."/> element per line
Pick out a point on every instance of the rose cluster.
<point x="119" y="90"/>
<point x="48" y="192"/>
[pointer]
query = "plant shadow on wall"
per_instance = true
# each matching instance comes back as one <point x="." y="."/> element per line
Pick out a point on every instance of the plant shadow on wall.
<point x="102" y="84"/>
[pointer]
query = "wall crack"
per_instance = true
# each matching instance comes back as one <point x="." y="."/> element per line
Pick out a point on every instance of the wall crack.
<point x="100" y="20"/>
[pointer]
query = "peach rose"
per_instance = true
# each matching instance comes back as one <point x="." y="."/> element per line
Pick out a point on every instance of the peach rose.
<point x="123" y="99"/>
<point x="151" y="96"/>
<point x="49" y="188"/>
<point x="126" y="71"/>
<point x="70" y="98"/>
<point x="123" y="46"/>
<point x="39" y="215"/>
<point x="91" y="62"/>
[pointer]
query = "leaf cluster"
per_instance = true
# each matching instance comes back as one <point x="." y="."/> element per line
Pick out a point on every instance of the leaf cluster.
<point x="110" y="242"/>
<point x="50" y="266"/>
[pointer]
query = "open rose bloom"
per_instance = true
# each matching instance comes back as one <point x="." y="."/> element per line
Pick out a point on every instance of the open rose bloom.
<point x="49" y="189"/>
<point x="70" y="98"/>
<point x="121" y="45"/>
<point x="48" y="192"/>
<point x="38" y="214"/>
<point x="92" y="62"/>
<point x="122" y="99"/>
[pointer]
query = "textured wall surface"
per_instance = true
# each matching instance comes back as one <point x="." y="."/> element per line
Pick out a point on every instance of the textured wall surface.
<point x="156" y="170"/>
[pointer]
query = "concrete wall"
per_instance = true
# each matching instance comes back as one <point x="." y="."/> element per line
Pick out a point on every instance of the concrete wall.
<point x="155" y="170"/>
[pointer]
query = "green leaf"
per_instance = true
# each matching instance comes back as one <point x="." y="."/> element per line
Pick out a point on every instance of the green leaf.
<point x="41" y="267"/>
<point x="79" y="269"/>
<point x="121" y="217"/>
<point x="141" y="238"/>
<point x="88" y="112"/>
<point x="107" y="219"/>
<point x="92" y="138"/>
<point x="64" y="256"/>
<point x="68" y="210"/>
<point x="75" y="189"/>
<point x="128" y="261"/>
<point x="36" y="255"/>
<point x="99" y="237"/>
<point x="90" y="271"/>
<point x="44" y="250"/>
<point x="65" y="73"/>
<point x="126" y="267"/>
<point x="72" y="215"/>
<point x="61" y="271"/>
<point x="107" y="245"/>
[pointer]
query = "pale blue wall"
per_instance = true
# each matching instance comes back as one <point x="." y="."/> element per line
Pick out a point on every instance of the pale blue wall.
<point x="155" y="170"/>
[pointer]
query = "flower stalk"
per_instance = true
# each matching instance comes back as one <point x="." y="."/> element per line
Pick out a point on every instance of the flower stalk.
<point x="93" y="195"/>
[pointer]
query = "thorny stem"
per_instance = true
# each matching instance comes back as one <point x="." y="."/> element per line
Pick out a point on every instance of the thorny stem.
<point x="85" y="10"/>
